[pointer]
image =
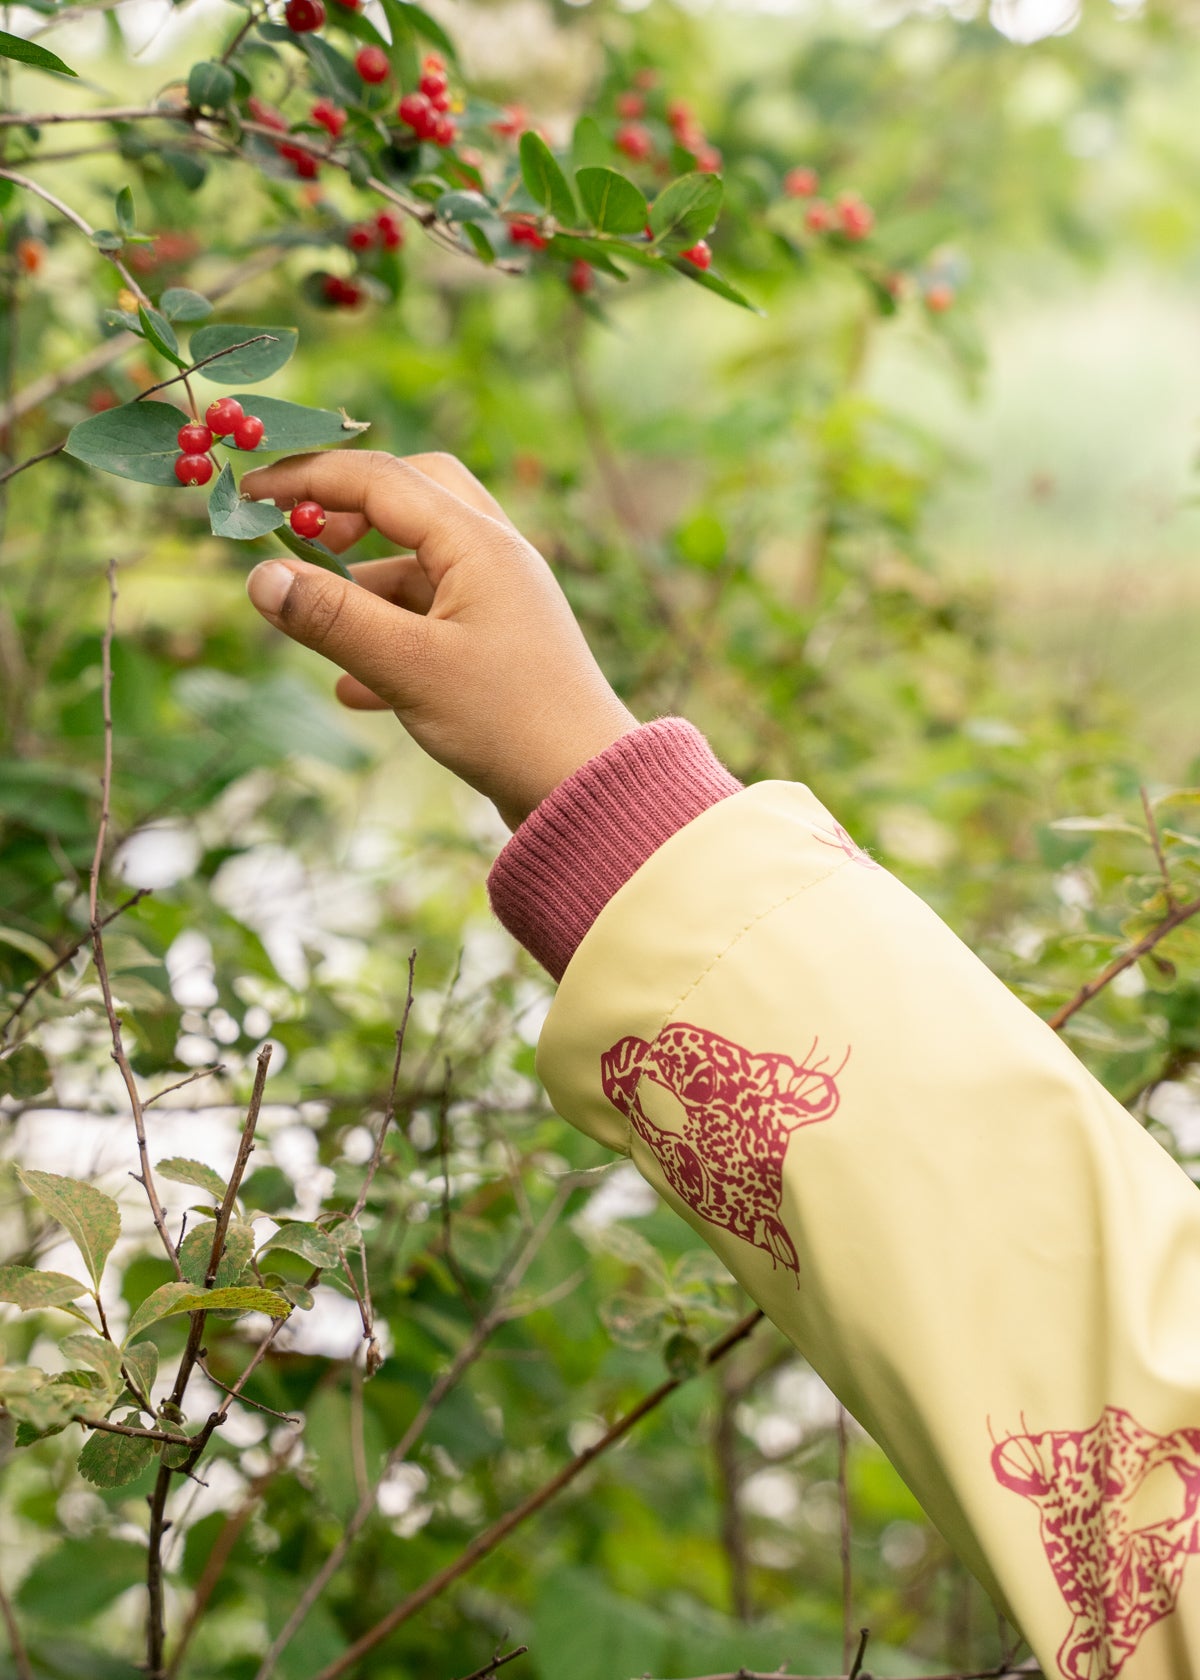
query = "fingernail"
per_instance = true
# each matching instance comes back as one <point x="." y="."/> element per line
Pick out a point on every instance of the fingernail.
<point x="267" y="586"/>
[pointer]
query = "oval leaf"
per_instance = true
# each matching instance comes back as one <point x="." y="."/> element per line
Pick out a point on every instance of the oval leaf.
<point x="161" y="334"/>
<point x="544" y="180"/>
<point x="195" y="1252"/>
<point x="181" y="303"/>
<point x="230" y="516"/>
<point x="611" y="203"/>
<point x="251" y="362"/>
<point x="315" y="553"/>
<point x="92" y="1218"/>
<point x="173" y="1298"/>
<point x="714" y="283"/>
<point x="291" y="426"/>
<point x="28" y="52"/>
<point x="137" y="440"/>
<point x="182" y="1171"/>
<point x="112" y="1460"/>
<point x="102" y="1356"/>
<point x="141" y="1362"/>
<point x="686" y="210"/>
<point x="29" y="1288"/>
<point x="310" y="1242"/>
<point x="464" y="207"/>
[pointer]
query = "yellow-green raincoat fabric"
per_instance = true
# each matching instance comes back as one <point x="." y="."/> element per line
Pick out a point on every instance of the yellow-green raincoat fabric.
<point x="988" y="1260"/>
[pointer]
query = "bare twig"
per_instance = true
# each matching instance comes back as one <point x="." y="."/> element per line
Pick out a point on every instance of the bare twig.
<point x="32" y="461"/>
<point x="1085" y="994"/>
<point x="856" y="1666"/>
<point x="284" y="1417"/>
<point x="489" y="1538"/>
<point x="1156" y="842"/>
<point x="200" y="1073"/>
<point x="48" y="974"/>
<point x="76" y="220"/>
<point x="497" y="1661"/>
<point x="107" y="1427"/>
<point x="16" y="1645"/>
<point x="360" y="1201"/>
<point x="111" y="113"/>
<point x="185" y="373"/>
<point x="245" y="1150"/>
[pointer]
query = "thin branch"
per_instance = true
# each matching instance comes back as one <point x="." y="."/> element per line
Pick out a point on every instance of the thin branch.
<point x="1085" y="994"/>
<point x="186" y="373"/>
<point x="77" y="220"/>
<point x="48" y="974"/>
<point x="20" y="1656"/>
<point x="111" y="113"/>
<point x="856" y="1666"/>
<point x="497" y="1662"/>
<point x="1156" y="842"/>
<point x="284" y="1417"/>
<point x="245" y="1150"/>
<point x="360" y="1201"/>
<point x="491" y="1537"/>
<point x="32" y="461"/>
<point x="200" y="1073"/>
<point x="108" y="1427"/>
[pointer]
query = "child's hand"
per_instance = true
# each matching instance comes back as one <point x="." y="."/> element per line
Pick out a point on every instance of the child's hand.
<point x="470" y="641"/>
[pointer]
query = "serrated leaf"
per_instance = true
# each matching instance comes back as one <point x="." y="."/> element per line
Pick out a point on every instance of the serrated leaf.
<point x="310" y="1242"/>
<point x="138" y="440"/>
<point x="29" y="52"/>
<point x="141" y="1362"/>
<point x="102" y="1356"/>
<point x="686" y="210"/>
<point x="109" y="1460"/>
<point x="180" y="1170"/>
<point x="30" y="1288"/>
<point x="92" y="1219"/>
<point x="196" y="1250"/>
<point x="544" y="179"/>
<point x="181" y="303"/>
<point x="173" y="1298"/>
<point x="230" y="515"/>
<point x="611" y="203"/>
<point x="315" y="553"/>
<point x="159" y="332"/>
<point x="274" y="347"/>
<point x="41" y="1403"/>
<point x="714" y="283"/>
<point x="292" y="427"/>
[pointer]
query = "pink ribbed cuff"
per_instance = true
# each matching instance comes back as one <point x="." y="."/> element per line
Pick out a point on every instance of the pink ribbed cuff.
<point x="596" y="829"/>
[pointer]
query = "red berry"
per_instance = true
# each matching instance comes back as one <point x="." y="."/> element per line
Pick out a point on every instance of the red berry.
<point x="855" y="218"/>
<point x="445" y="130"/>
<point x="441" y="101"/>
<point x="302" y="162"/>
<point x="523" y="232"/>
<point x="818" y="218"/>
<point x="303" y="16"/>
<point x="700" y="254"/>
<point x="193" y="469"/>
<point x="330" y="116"/>
<point x="680" y="114"/>
<point x="195" y="439"/>
<point x="433" y="64"/>
<point x="580" y="277"/>
<point x="634" y="141"/>
<point x="801" y="182"/>
<point x="390" y="230"/>
<point x="307" y="519"/>
<point x="416" y="110"/>
<point x="631" y="105"/>
<point x="266" y="114"/>
<point x="433" y="83"/>
<point x="223" y="415"/>
<point x="248" y="433"/>
<point x="361" y="237"/>
<point x="939" y="297"/>
<point x="372" y="64"/>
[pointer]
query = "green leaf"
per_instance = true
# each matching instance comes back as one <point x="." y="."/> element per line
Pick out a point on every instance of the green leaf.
<point x="314" y="552"/>
<point x="210" y="84"/>
<point x="686" y="210"/>
<point x="611" y="203"/>
<point x="590" y="146"/>
<point x="180" y="303"/>
<point x="231" y="516"/>
<point x="310" y="1242"/>
<point x="92" y="1219"/>
<point x="102" y="1356"/>
<point x="186" y="167"/>
<point x="137" y="440"/>
<point x="28" y="52"/>
<point x="125" y="217"/>
<point x="161" y="334"/>
<point x="480" y="240"/>
<point x="24" y="1072"/>
<point x="714" y="283"/>
<point x="182" y="1171"/>
<point x="544" y="180"/>
<point x="141" y="1361"/>
<point x="251" y="363"/>
<point x="173" y="1298"/>
<point x="596" y="251"/>
<point x="292" y="427"/>
<point x="44" y="1403"/>
<point x="196" y="1250"/>
<point x="27" y="1287"/>
<point x="112" y="1460"/>
<point x="464" y="207"/>
<point x="104" y="239"/>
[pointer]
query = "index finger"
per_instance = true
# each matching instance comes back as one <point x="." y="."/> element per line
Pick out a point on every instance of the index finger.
<point x="398" y="498"/>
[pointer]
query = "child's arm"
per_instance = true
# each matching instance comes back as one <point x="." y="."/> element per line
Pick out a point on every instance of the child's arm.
<point x="989" y="1261"/>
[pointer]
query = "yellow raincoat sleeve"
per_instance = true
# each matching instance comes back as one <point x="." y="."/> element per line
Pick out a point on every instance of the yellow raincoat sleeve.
<point x="986" y="1258"/>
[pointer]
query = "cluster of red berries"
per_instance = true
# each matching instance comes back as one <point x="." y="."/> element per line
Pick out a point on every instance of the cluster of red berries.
<point x="300" y="158"/>
<point x="427" y="111"/>
<point x="225" y="418"/>
<point x="848" y="215"/>
<point x="387" y="231"/>
<point x="635" y="140"/>
<point x="342" y="294"/>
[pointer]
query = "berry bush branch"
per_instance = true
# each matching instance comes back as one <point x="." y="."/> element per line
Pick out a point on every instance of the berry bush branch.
<point x="76" y="220"/>
<point x="1180" y="914"/>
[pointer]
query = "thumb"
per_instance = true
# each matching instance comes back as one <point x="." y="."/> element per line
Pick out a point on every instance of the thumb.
<point x="383" y="645"/>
